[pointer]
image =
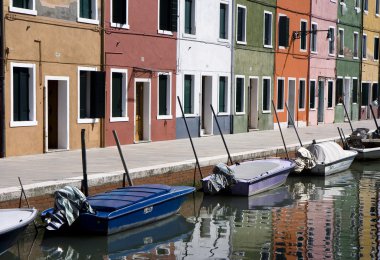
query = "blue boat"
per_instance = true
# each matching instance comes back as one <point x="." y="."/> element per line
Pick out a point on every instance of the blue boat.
<point x="128" y="207"/>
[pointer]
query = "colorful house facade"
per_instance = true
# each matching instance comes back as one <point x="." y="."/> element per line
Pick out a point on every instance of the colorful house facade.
<point x="322" y="62"/>
<point x="292" y="62"/>
<point x="253" y="60"/>
<point x="140" y="64"/>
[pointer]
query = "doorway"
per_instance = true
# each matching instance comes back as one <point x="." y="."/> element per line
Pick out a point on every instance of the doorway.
<point x="57" y="115"/>
<point x="347" y="96"/>
<point x="254" y="103"/>
<point x="321" y="101"/>
<point x="291" y="101"/>
<point x="142" y="110"/>
<point x="206" y="116"/>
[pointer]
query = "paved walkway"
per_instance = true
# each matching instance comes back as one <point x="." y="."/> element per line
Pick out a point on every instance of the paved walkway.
<point x="44" y="170"/>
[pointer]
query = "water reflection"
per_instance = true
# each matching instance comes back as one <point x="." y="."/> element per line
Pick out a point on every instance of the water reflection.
<point x="333" y="217"/>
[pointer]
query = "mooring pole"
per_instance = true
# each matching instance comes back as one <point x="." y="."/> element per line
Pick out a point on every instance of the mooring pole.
<point x="345" y="140"/>
<point x="27" y="202"/>
<point x="221" y="134"/>
<point x="191" y="140"/>
<point x="126" y="172"/>
<point x="84" y="163"/>
<point x="374" y="118"/>
<point x="279" y="126"/>
<point x="348" y="117"/>
<point x="295" y="128"/>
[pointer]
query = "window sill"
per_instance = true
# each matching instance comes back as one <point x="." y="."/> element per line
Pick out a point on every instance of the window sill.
<point x="190" y="115"/>
<point x="165" y="117"/>
<point x="301" y="109"/>
<point x="341" y="56"/>
<point x="119" y="119"/>
<point x="266" y="111"/>
<point x="364" y="58"/>
<point x="377" y="15"/>
<point x="312" y="109"/>
<point x="189" y="35"/>
<point x="242" y="43"/>
<point x="280" y="110"/>
<point x="366" y="12"/>
<point x="120" y="26"/>
<point x="330" y="108"/>
<point x="23" y="123"/>
<point x="89" y="21"/>
<point x="239" y="113"/>
<point x="165" y="32"/>
<point x="268" y="46"/>
<point x="223" y="40"/>
<point x="222" y="114"/>
<point x="281" y="47"/>
<point x="303" y="50"/>
<point x="314" y="52"/>
<point x="22" y="10"/>
<point x="357" y="9"/>
<point x="331" y="55"/>
<point x="87" y="120"/>
<point x="355" y="58"/>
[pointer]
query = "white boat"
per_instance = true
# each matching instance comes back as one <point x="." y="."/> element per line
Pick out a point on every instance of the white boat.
<point x="367" y="153"/>
<point x="252" y="177"/>
<point x="330" y="158"/>
<point x="12" y="223"/>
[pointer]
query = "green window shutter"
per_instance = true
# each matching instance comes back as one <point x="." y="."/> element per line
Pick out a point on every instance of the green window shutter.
<point x="287" y="20"/>
<point x="268" y="29"/>
<point x="162" y="95"/>
<point x="97" y="103"/>
<point x="330" y="94"/>
<point x="354" y="91"/>
<point x="173" y="15"/>
<point x="222" y="21"/>
<point x="117" y="92"/>
<point x="365" y="94"/>
<point x="239" y="94"/>
<point x="303" y="35"/>
<point x="282" y="31"/>
<point x="119" y="11"/>
<point x="280" y="94"/>
<point x="376" y="49"/>
<point x="188" y="94"/>
<point x="240" y="29"/>
<point x="83" y="94"/>
<point x="266" y="89"/>
<point x="21" y="4"/>
<point x="222" y="94"/>
<point x="85" y="9"/>
<point x="301" y="98"/>
<point x="339" y="91"/>
<point x="188" y="16"/>
<point x="164" y="14"/>
<point x="20" y="94"/>
<point x="312" y="94"/>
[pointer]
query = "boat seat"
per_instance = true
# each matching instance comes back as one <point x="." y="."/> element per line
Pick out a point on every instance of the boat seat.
<point x="123" y="197"/>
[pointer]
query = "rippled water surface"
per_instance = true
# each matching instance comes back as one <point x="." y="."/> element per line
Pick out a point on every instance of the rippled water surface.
<point x="333" y="217"/>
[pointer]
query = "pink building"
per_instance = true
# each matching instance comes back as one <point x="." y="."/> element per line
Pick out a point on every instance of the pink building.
<point x="322" y="71"/>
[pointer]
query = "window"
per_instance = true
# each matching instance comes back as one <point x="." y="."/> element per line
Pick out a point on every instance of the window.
<point x="314" y="28"/>
<point x="356" y="45"/>
<point x="239" y="101"/>
<point x="365" y="94"/>
<point x="190" y="16"/>
<point x="91" y="94"/>
<point x="223" y="95"/>
<point x="223" y="21"/>
<point x="23" y="6"/>
<point x="241" y="24"/>
<point x="280" y="93"/>
<point x="267" y="29"/>
<point x="365" y="6"/>
<point x="164" y="95"/>
<point x="330" y="89"/>
<point x="375" y="92"/>
<point x="303" y="36"/>
<point x="339" y="91"/>
<point x="312" y="94"/>
<point x="119" y="13"/>
<point x="167" y="16"/>
<point x="341" y="43"/>
<point x="119" y="95"/>
<point x="283" y="31"/>
<point x="301" y="97"/>
<point x="266" y="94"/>
<point x="357" y="4"/>
<point x="376" y="49"/>
<point x="188" y="102"/>
<point x="88" y="11"/>
<point x="23" y="95"/>
<point x="364" y="46"/>
<point x="331" y="41"/>
<point x="354" y="90"/>
<point x="377" y="7"/>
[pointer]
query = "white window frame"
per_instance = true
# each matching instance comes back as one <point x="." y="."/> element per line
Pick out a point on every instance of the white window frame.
<point x="378" y="51"/>
<point x="240" y="77"/>
<point x="193" y="114"/>
<point x="283" y="94"/>
<point x="303" y="21"/>
<point x="32" y="95"/>
<point x="329" y="40"/>
<point x="315" y="91"/>
<point x="227" y="93"/>
<point x="271" y="30"/>
<point x="227" y="22"/>
<point x="357" y="46"/>
<point x="314" y="37"/>
<point x="94" y="20"/>
<point x="118" y="25"/>
<point x="245" y="24"/>
<point x="125" y="117"/>
<point x="333" y="95"/>
<point x="168" y="97"/>
<point x="304" y="94"/>
<point x="341" y="43"/>
<point x="364" y="47"/>
<point x="84" y="120"/>
<point x="270" y="95"/>
<point x="31" y="11"/>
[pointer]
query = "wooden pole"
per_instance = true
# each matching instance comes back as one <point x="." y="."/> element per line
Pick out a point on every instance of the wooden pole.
<point x="348" y="117"/>
<point x="126" y="172"/>
<point x="295" y="128"/>
<point x="84" y="163"/>
<point x="279" y="126"/>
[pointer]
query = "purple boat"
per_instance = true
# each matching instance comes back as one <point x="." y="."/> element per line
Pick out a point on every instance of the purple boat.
<point x="251" y="177"/>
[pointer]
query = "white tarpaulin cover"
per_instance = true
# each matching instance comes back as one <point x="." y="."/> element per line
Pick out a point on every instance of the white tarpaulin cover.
<point x="327" y="152"/>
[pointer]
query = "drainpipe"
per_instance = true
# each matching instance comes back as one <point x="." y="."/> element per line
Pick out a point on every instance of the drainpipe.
<point x="103" y="68"/>
<point x="232" y="65"/>
<point x="361" y="60"/>
<point x="274" y="60"/>
<point x="2" y="84"/>
<point x="307" y="90"/>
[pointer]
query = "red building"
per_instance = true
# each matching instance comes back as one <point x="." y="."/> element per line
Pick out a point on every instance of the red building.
<point x="140" y="64"/>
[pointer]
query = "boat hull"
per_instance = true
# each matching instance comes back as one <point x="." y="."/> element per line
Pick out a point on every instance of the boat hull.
<point x="367" y="153"/>
<point x="334" y="167"/>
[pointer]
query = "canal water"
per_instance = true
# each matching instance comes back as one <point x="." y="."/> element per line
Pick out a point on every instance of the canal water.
<point x="333" y="217"/>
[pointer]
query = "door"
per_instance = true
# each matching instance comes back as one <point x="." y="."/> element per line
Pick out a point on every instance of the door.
<point x="291" y="100"/>
<point x="139" y="119"/>
<point x="206" y="116"/>
<point x="254" y="106"/>
<point x="321" y="101"/>
<point x="347" y="96"/>
<point x="53" y="114"/>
